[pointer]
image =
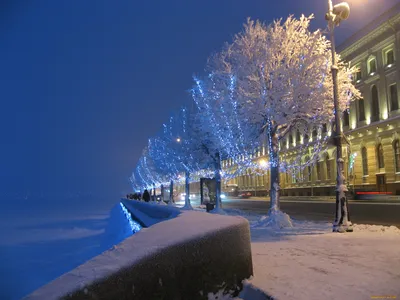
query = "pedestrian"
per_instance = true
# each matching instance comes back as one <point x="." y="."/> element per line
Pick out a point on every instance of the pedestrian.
<point x="146" y="196"/>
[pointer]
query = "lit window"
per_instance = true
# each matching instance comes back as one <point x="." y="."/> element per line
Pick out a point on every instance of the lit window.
<point x="371" y="65"/>
<point x="389" y="57"/>
<point x="318" y="171"/>
<point x="328" y="168"/>
<point x="357" y="74"/>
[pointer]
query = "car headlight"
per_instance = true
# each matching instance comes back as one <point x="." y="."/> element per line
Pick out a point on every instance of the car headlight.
<point x="223" y="196"/>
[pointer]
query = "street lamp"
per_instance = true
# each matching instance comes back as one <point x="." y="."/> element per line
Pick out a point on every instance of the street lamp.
<point x="263" y="164"/>
<point x="342" y="222"/>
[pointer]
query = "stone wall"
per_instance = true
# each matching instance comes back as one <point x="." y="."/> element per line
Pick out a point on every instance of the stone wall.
<point x="182" y="258"/>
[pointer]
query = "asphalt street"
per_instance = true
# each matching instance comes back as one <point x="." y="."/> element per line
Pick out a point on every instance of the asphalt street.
<point x="360" y="212"/>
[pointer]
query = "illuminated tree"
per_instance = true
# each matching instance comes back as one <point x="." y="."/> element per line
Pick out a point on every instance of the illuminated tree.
<point x="225" y="132"/>
<point x="282" y="77"/>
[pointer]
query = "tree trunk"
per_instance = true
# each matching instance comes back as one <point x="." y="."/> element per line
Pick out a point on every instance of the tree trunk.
<point x="162" y="193"/>
<point x="171" y="193"/>
<point x="201" y="191"/>
<point x="217" y="175"/>
<point x="187" y="191"/>
<point x="273" y="147"/>
<point x="154" y="192"/>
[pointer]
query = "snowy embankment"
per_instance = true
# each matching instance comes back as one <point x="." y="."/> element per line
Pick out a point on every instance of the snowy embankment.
<point x="150" y="213"/>
<point x="185" y="257"/>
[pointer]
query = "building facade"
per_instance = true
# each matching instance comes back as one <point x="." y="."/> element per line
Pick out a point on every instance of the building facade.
<point x="371" y="124"/>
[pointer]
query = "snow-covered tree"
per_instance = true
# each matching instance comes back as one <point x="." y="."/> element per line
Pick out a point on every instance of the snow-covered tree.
<point x="282" y="74"/>
<point x="223" y="129"/>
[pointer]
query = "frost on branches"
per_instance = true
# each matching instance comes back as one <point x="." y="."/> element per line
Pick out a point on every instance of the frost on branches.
<point x="283" y="81"/>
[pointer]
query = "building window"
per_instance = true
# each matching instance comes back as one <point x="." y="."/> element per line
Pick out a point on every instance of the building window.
<point x="318" y="171"/>
<point x="374" y="104"/>
<point x="371" y="66"/>
<point x="396" y="149"/>
<point x="328" y="167"/>
<point x="308" y="169"/>
<point x="389" y="57"/>
<point x="394" y="102"/>
<point x="324" y="128"/>
<point x="306" y="138"/>
<point x="290" y="139"/>
<point x="379" y="154"/>
<point x="357" y="74"/>
<point x="346" y="119"/>
<point x="361" y="110"/>
<point x="298" y="136"/>
<point x="364" y="161"/>
<point x="314" y="134"/>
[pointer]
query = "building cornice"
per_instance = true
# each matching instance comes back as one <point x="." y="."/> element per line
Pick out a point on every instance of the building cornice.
<point x="387" y="21"/>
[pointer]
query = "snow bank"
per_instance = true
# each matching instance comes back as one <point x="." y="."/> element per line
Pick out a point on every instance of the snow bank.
<point x="190" y="254"/>
<point x="376" y="228"/>
<point x="149" y="213"/>
<point x="119" y="227"/>
<point x="275" y="219"/>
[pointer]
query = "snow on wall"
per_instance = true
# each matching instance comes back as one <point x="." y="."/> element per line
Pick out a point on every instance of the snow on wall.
<point x="149" y="214"/>
<point x="186" y="257"/>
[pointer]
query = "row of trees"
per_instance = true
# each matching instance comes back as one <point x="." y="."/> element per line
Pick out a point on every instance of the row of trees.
<point x="269" y="81"/>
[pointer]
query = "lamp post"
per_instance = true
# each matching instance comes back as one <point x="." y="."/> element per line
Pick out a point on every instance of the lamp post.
<point x="342" y="221"/>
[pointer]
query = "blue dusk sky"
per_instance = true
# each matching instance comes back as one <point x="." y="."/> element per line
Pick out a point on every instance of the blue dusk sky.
<point x="85" y="83"/>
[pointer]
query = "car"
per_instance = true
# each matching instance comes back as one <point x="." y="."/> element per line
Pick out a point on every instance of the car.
<point x="244" y="195"/>
<point x="191" y="196"/>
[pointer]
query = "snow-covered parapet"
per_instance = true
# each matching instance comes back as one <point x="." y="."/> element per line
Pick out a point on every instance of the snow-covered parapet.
<point x="186" y="257"/>
<point x="147" y="213"/>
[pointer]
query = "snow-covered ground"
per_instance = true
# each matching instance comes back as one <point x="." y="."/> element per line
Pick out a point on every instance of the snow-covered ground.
<point x="306" y="261"/>
<point x="310" y="262"/>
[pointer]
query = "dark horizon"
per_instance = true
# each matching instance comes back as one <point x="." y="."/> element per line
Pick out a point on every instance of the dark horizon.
<point x="85" y="84"/>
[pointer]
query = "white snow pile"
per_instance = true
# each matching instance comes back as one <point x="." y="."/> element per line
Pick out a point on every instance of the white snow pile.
<point x="275" y="219"/>
<point x="218" y="211"/>
<point x="375" y="228"/>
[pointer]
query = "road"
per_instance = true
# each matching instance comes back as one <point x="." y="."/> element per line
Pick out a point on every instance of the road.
<point x="360" y="212"/>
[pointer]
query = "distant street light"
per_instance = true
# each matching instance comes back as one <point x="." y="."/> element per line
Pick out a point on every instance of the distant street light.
<point x="263" y="163"/>
<point x="178" y="140"/>
<point x="342" y="222"/>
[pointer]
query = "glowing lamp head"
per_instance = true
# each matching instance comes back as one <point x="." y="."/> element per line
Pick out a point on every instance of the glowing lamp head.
<point x="178" y="140"/>
<point x="342" y="11"/>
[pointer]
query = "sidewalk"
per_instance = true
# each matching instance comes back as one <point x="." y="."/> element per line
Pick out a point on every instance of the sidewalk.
<point x="317" y="199"/>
